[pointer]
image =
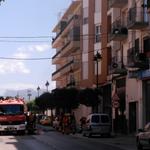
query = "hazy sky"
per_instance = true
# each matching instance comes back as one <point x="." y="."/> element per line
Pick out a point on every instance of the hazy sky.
<point x="27" y="18"/>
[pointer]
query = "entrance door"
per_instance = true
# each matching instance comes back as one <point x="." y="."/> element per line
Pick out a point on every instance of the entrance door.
<point x="132" y="117"/>
<point x="147" y="101"/>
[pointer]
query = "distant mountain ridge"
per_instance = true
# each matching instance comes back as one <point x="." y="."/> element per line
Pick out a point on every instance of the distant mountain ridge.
<point x="24" y="93"/>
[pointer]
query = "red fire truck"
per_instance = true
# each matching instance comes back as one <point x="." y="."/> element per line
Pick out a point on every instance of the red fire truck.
<point x="12" y="115"/>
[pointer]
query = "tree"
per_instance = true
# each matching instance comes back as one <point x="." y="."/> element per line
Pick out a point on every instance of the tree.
<point x="31" y="105"/>
<point x="88" y="97"/>
<point x="66" y="98"/>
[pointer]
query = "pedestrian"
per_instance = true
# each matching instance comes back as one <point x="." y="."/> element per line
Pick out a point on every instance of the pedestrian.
<point x="73" y="123"/>
<point x="82" y="123"/>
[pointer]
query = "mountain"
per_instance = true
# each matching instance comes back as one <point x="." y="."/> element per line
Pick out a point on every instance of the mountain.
<point x="28" y="94"/>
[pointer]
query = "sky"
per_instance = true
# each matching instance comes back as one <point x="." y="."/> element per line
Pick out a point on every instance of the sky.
<point x="34" y="19"/>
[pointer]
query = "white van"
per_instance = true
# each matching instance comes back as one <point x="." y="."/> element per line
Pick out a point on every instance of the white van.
<point x="97" y="124"/>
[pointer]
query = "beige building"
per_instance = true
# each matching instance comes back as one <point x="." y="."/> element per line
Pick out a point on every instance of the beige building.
<point x="129" y="39"/>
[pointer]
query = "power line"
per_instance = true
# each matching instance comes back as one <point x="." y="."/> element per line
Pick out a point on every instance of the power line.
<point x="24" y="37"/>
<point x="16" y="41"/>
<point x="13" y="58"/>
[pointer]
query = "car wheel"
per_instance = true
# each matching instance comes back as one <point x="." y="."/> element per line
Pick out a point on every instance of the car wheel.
<point x="83" y="133"/>
<point x="89" y="135"/>
<point x="139" y="146"/>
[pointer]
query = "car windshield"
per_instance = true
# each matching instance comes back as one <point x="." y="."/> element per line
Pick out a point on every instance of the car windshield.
<point x="95" y="119"/>
<point x="104" y="119"/>
<point x="11" y="109"/>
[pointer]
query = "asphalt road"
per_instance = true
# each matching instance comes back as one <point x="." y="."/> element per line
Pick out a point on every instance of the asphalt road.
<point x="51" y="140"/>
<point x="59" y="141"/>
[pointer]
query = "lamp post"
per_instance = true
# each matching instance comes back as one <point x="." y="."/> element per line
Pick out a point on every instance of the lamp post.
<point x="97" y="58"/>
<point x="47" y="84"/>
<point x="38" y="90"/>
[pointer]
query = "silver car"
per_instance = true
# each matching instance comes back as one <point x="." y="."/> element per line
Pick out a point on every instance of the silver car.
<point x="143" y="137"/>
<point x="97" y="124"/>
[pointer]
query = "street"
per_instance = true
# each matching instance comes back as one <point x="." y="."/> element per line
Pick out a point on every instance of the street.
<point x="53" y="140"/>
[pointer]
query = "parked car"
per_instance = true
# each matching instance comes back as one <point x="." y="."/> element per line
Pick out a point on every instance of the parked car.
<point x="39" y="117"/>
<point x="46" y="120"/>
<point x="143" y="137"/>
<point x="97" y="124"/>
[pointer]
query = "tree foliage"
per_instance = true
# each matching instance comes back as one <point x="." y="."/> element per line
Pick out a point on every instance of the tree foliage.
<point x="67" y="98"/>
<point x="88" y="97"/>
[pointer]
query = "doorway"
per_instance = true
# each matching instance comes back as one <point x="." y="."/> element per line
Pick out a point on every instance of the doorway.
<point x="132" y="117"/>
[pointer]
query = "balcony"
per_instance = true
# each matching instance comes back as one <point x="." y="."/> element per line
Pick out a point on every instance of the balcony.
<point x="119" y="31"/>
<point x="136" y="60"/>
<point x="137" y="19"/>
<point x="117" y="3"/>
<point x="74" y="19"/>
<point x="65" y="69"/>
<point x="56" y="58"/>
<point x="59" y="72"/>
<point x="117" y="67"/>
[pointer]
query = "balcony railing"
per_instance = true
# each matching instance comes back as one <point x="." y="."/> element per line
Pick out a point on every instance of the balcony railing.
<point x="63" y="67"/>
<point x="136" y="60"/>
<point x="137" y="18"/>
<point x="58" y="54"/>
<point x="74" y="64"/>
<point x="75" y="17"/>
<point x="119" y="31"/>
<point x="117" y="3"/>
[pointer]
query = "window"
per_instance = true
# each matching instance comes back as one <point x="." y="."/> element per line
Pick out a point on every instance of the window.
<point x="97" y="6"/>
<point x="85" y="20"/>
<point x="85" y="70"/>
<point x="95" y="119"/>
<point x="137" y="45"/>
<point x="104" y="119"/>
<point x="97" y="33"/>
<point x="85" y="15"/>
<point x="146" y="45"/>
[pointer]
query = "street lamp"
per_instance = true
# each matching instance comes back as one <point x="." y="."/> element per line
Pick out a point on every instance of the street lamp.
<point x="97" y="58"/>
<point x="38" y="89"/>
<point x="47" y="84"/>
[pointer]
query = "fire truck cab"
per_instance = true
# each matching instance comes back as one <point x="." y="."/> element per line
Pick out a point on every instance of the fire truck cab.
<point x="12" y="115"/>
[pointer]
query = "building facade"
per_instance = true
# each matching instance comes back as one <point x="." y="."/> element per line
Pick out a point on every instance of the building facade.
<point x="129" y="41"/>
<point x="105" y="44"/>
<point x="67" y="45"/>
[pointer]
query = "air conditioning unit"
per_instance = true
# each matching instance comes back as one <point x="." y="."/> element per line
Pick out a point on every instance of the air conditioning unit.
<point x="122" y="30"/>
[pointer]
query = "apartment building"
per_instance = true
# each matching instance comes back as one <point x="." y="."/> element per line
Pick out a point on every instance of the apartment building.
<point x="129" y="40"/>
<point x="110" y="53"/>
<point x="94" y="53"/>
<point x="67" y="45"/>
<point x="81" y="51"/>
